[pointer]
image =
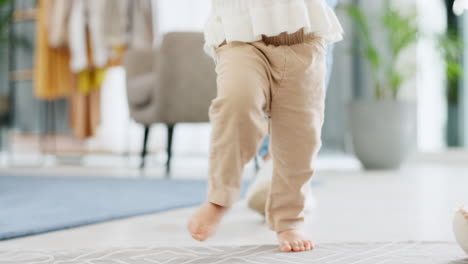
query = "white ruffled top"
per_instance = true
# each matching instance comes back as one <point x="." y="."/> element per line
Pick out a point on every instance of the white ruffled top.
<point x="248" y="20"/>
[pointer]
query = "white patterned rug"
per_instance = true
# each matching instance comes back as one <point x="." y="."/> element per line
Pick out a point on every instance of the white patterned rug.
<point x="343" y="253"/>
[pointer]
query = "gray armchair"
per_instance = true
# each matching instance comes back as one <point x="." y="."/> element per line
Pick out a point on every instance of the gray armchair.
<point x="170" y="85"/>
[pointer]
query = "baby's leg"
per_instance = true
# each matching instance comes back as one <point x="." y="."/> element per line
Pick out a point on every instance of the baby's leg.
<point x="297" y="114"/>
<point x="237" y="118"/>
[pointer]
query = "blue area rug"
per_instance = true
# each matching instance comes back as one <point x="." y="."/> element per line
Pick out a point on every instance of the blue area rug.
<point x="33" y="205"/>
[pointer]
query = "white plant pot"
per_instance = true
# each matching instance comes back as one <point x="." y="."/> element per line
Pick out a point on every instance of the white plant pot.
<point x="383" y="132"/>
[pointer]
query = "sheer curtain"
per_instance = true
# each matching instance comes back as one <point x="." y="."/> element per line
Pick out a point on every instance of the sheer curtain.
<point x="118" y="133"/>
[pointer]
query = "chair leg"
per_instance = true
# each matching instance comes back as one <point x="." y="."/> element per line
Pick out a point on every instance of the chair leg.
<point x="145" y="147"/>
<point x="170" y="136"/>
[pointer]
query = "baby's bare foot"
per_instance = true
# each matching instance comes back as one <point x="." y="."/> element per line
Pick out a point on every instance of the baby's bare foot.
<point x="205" y="221"/>
<point x="293" y="240"/>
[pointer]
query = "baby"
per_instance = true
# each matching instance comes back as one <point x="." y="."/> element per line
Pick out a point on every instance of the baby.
<point x="270" y="61"/>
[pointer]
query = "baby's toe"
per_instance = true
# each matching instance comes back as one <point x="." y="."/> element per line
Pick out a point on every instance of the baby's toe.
<point x="308" y="245"/>
<point x="302" y="245"/>
<point x="198" y="233"/>
<point x="285" y="246"/>
<point x="296" y="245"/>
<point x="199" y="236"/>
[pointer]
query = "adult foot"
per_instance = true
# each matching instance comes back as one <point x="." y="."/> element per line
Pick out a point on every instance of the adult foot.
<point x="293" y="240"/>
<point x="205" y="221"/>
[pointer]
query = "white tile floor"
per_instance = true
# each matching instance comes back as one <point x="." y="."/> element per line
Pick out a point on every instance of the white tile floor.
<point x="416" y="203"/>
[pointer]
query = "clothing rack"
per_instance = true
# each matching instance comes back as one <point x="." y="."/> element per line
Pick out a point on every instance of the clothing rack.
<point x="14" y="76"/>
<point x="11" y="68"/>
<point x="11" y="84"/>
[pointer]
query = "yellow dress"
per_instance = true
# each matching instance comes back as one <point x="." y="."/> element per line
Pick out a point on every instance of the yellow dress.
<point x="53" y="78"/>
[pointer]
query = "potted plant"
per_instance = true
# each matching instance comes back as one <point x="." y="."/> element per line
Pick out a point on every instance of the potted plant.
<point x="451" y="47"/>
<point x="384" y="128"/>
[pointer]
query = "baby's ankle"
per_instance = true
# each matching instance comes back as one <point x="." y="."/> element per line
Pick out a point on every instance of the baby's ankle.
<point x="217" y="206"/>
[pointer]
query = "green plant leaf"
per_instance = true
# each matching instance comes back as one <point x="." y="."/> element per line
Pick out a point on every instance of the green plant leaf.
<point x="451" y="47"/>
<point x="6" y="15"/>
<point x="373" y="57"/>
<point x="396" y="81"/>
<point x="402" y="31"/>
<point x="369" y="49"/>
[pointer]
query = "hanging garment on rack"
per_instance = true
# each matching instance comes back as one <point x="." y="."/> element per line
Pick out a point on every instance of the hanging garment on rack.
<point x="85" y="113"/>
<point x="84" y="103"/>
<point x="52" y="76"/>
<point x="97" y="27"/>
<point x="90" y="80"/>
<point x="58" y="22"/>
<point x="93" y="51"/>
<point x="116" y="22"/>
<point x="87" y="15"/>
<point x="142" y="24"/>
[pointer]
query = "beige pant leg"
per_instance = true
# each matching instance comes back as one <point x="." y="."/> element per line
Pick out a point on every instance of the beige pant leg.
<point x="237" y="118"/>
<point x="297" y="113"/>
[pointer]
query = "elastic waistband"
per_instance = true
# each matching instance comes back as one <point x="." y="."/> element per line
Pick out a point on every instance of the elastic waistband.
<point x="285" y="39"/>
